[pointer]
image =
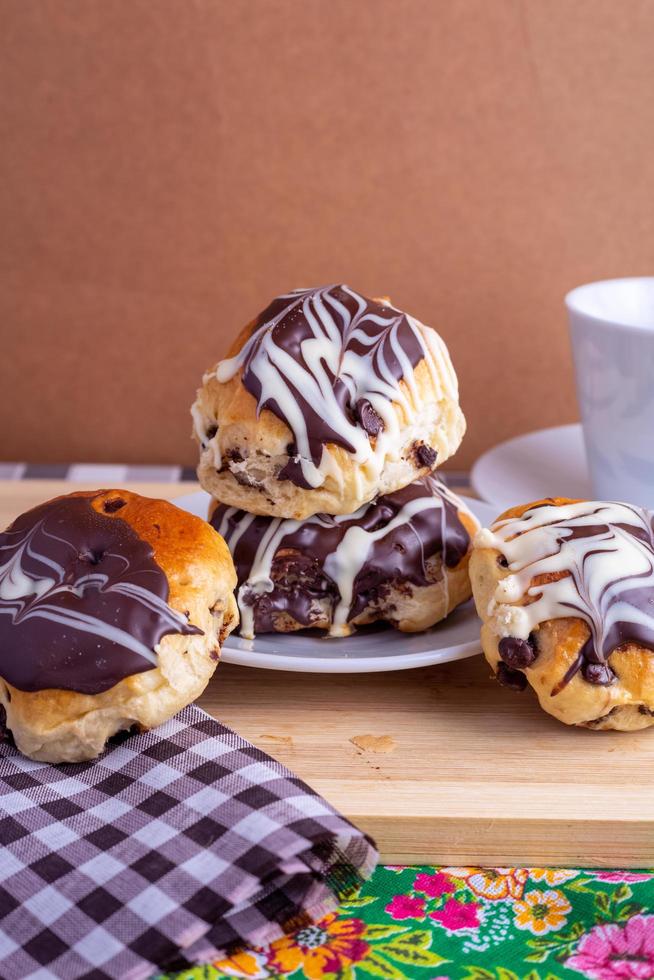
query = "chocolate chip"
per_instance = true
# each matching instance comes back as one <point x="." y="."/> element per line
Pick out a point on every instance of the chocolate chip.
<point x="112" y="505"/>
<point x="644" y="711"/>
<point x="234" y="456"/>
<point x="600" y="674"/>
<point x="5" y="733"/>
<point x="244" y="480"/>
<point x="368" y="418"/>
<point x="424" y="455"/>
<point x="511" y="678"/>
<point x="516" y="653"/>
<point x="119" y="737"/>
<point x="210" y="433"/>
<point x="502" y="562"/>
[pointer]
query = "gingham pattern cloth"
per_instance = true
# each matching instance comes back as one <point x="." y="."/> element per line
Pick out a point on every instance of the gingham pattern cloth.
<point x="175" y="847"/>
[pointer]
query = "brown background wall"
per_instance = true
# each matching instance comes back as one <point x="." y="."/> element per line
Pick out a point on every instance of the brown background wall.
<point x="170" y="165"/>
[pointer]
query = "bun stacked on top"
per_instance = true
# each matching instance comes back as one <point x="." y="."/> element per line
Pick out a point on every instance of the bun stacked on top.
<point x="319" y="435"/>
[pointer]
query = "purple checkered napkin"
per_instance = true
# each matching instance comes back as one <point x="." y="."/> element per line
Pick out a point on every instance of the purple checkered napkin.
<point x="175" y="847"/>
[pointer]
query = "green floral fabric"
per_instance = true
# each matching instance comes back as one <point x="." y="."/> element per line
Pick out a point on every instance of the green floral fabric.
<point x="470" y="924"/>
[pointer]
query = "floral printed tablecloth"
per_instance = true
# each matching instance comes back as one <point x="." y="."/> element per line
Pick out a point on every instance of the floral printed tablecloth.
<point x="470" y="924"/>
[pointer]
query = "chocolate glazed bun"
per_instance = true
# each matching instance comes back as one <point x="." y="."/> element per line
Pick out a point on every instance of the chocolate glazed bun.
<point x="112" y="611"/>
<point x="402" y="559"/>
<point x="565" y="590"/>
<point x="325" y="401"/>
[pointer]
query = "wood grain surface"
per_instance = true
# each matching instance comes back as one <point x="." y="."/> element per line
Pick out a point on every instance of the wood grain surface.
<point x="443" y="765"/>
<point x="439" y="764"/>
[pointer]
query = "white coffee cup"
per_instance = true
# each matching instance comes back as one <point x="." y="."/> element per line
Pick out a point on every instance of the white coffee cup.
<point x="612" y="334"/>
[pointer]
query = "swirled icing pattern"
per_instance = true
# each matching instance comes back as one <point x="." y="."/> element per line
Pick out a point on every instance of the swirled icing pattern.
<point x="83" y="604"/>
<point x="598" y="559"/>
<point x="290" y="566"/>
<point x="328" y="362"/>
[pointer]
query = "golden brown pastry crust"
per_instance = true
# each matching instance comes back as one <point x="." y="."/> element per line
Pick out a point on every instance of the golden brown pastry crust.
<point x="247" y="446"/>
<point x="65" y="726"/>
<point x="625" y="705"/>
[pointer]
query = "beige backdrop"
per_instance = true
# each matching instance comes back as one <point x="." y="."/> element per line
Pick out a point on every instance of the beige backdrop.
<point x="170" y="165"/>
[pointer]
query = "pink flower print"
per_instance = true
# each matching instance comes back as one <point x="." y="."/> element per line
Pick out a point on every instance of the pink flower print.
<point x="406" y="907"/>
<point x="457" y="915"/>
<point x="434" y="885"/>
<point x="628" y="876"/>
<point x="615" y="952"/>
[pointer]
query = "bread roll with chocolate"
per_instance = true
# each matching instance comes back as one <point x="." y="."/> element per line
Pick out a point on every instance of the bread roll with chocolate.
<point x="325" y="401"/>
<point x="113" y="608"/>
<point x="565" y="590"/>
<point x="402" y="559"/>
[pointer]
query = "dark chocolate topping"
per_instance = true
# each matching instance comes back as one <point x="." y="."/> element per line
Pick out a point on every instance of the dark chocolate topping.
<point x="300" y="565"/>
<point x="294" y="473"/>
<point x="83" y="603"/>
<point x="342" y="321"/>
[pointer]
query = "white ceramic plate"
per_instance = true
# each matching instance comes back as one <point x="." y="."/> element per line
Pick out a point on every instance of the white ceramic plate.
<point x="547" y="463"/>
<point x="366" y="651"/>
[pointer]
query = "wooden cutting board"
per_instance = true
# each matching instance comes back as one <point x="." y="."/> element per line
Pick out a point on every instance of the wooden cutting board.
<point x="443" y="765"/>
<point x="439" y="764"/>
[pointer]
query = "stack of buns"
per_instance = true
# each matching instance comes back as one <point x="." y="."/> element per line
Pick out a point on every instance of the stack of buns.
<point x="319" y="437"/>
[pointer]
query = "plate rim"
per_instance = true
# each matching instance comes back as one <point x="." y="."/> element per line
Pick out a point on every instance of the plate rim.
<point x="370" y="665"/>
<point x="482" y="461"/>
